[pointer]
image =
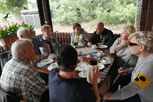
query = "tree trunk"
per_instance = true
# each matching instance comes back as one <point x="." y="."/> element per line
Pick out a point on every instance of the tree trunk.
<point x="17" y="17"/>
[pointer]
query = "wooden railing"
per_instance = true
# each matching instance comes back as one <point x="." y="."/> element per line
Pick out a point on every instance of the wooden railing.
<point x="62" y="37"/>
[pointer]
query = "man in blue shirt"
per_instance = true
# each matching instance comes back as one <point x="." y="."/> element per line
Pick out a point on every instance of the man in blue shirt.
<point x="25" y="33"/>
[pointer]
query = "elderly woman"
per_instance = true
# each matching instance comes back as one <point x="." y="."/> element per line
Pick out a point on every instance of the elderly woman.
<point x="122" y="51"/>
<point x="140" y="89"/>
<point x="63" y="86"/>
<point x="47" y="38"/>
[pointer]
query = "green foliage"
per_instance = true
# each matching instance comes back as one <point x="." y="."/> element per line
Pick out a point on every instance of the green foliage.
<point x="12" y="5"/>
<point x="122" y="11"/>
<point x="11" y="29"/>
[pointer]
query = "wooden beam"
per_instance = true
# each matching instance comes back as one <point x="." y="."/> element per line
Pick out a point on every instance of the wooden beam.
<point x="145" y="18"/>
<point x="40" y="11"/>
<point x="142" y="15"/>
<point x="47" y="13"/>
<point x="149" y="18"/>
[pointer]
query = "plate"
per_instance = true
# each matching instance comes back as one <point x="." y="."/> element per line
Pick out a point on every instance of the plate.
<point x="79" y="46"/>
<point x="102" y="46"/>
<point x="101" y="66"/>
<point x="52" y="66"/>
<point x="106" y="62"/>
<point x="46" y="61"/>
<point x="81" y="66"/>
<point x="83" y="76"/>
<point x="94" y="47"/>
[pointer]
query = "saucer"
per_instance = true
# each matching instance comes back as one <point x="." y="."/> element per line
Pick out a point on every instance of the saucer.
<point x="46" y="61"/>
<point x="101" y="66"/>
<point x="102" y="46"/>
<point x="81" y="66"/>
<point x="83" y="76"/>
<point x="52" y="66"/>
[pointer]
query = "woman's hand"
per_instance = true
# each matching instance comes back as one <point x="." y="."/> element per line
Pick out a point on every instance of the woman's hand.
<point x="120" y="71"/>
<point x="125" y="43"/>
<point x="108" y="96"/>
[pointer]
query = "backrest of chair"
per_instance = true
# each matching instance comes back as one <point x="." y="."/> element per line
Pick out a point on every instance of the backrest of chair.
<point x="3" y="59"/>
<point x="6" y="97"/>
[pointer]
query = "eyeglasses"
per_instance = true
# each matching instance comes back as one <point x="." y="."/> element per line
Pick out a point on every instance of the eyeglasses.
<point x="132" y="44"/>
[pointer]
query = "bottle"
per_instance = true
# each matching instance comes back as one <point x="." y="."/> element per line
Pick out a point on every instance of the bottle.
<point x="92" y="64"/>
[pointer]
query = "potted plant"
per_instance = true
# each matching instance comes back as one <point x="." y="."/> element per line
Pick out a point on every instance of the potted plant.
<point x="8" y="33"/>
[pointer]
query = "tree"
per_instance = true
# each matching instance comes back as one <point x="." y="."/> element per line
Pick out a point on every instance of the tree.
<point x="14" y="7"/>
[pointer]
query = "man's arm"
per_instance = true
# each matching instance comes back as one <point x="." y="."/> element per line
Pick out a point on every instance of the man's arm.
<point x="110" y="39"/>
<point x="92" y="38"/>
<point x="47" y="48"/>
<point x="34" y="83"/>
<point x="95" y="74"/>
<point x="120" y="46"/>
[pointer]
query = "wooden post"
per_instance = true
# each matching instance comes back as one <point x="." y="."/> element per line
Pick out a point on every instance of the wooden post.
<point x="41" y="12"/>
<point x="145" y="18"/>
<point x="47" y="13"/>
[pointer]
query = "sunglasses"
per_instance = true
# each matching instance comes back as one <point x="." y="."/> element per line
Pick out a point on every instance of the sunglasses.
<point x="132" y="44"/>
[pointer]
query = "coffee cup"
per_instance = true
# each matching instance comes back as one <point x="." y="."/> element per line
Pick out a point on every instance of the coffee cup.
<point x="105" y="61"/>
<point x="84" y="72"/>
<point x="80" y="43"/>
<point x="93" y="46"/>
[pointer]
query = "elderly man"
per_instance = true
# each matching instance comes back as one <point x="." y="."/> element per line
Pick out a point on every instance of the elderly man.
<point x="140" y="89"/>
<point x="79" y="34"/>
<point x="63" y="86"/>
<point x="101" y="36"/>
<point x="20" y="77"/>
<point x="25" y="33"/>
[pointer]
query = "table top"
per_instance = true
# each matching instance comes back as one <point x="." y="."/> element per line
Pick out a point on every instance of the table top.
<point x="104" y="78"/>
<point x="103" y="72"/>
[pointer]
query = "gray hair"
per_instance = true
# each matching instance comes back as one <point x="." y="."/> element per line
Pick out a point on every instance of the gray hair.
<point x="21" y="31"/>
<point x="144" y="38"/>
<point x="18" y="45"/>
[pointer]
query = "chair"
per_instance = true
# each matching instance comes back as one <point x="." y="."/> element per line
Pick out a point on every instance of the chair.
<point x="6" y="97"/>
<point x="3" y="59"/>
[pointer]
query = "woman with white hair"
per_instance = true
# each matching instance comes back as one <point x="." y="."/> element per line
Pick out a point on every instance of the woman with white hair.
<point x="122" y="51"/>
<point x="140" y="89"/>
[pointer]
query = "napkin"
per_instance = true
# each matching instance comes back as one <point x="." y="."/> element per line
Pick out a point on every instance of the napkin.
<point x="41" y="65"/>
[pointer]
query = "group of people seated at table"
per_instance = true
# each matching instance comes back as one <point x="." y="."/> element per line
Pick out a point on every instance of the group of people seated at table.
<point x="101" y="36"/>
<point x="21" y="78"/>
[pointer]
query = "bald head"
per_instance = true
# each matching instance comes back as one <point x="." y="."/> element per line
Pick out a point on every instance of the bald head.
<point x="99" y="27"/>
